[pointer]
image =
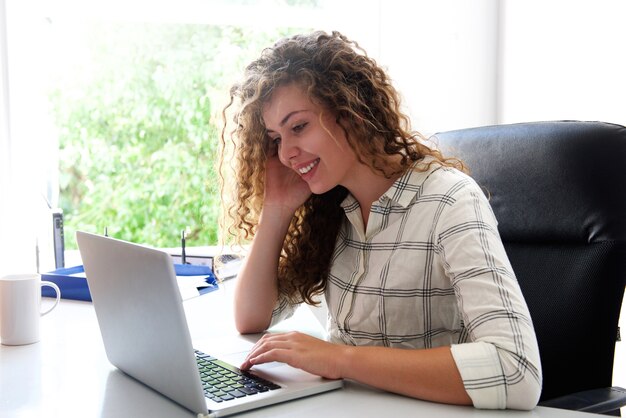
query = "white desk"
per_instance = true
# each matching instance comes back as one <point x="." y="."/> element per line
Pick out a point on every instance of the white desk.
<point x="67" y="374"/>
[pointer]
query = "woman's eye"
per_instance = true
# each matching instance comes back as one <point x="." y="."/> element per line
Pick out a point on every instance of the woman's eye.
<point x="275" y="141"/>
<point x="299" y="127"/>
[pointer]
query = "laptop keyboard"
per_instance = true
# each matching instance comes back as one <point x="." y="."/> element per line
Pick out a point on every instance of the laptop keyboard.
<point x="223" y="382"/>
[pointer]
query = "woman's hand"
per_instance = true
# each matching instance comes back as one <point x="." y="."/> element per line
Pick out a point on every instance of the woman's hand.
<point x="298" y="350"/>
<point x="283" y="186"/>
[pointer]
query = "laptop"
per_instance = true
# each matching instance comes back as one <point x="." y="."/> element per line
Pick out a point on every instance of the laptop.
<point x="145" y="333"/>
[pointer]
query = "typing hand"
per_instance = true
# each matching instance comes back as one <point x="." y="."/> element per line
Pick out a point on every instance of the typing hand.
<point x="298" y="350"/>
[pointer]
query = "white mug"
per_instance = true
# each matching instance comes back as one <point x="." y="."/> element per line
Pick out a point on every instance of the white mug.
<point x="20" y="308"/>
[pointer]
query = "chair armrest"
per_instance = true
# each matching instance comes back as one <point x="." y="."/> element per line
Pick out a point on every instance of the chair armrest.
<point x="596" y="401"/>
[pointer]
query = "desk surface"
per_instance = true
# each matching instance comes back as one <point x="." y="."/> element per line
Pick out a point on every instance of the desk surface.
<point x="67" y="374"/>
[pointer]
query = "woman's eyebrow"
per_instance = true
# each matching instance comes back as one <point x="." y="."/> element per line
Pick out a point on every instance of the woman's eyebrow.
<point x="286" y="118"/>
<point x="289" y="115"/>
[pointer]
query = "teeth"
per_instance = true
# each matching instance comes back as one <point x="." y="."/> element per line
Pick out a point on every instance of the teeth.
<point x="308" y="168"/>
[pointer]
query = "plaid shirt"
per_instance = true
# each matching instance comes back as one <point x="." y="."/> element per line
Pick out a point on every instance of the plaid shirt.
<point x="430" y="270"/>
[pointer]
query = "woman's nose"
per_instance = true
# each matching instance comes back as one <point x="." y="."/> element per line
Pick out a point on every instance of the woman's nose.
<point x="288" y="149"/>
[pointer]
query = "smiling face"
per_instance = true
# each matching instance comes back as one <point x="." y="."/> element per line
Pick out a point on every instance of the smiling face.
<point x="309" y="140"/>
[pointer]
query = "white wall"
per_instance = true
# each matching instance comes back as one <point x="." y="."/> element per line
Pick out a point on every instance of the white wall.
<point x="443" y="58"/>
<point x="470" y="63"/>
<point x="563" y="59"/>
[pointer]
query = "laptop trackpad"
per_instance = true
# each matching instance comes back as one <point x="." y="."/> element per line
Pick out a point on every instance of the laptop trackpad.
<point x="237" y="358"/>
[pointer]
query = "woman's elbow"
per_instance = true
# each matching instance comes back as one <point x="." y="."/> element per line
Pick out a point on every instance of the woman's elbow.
<point x="250" y="325"/>
<point x="525" y="394"/>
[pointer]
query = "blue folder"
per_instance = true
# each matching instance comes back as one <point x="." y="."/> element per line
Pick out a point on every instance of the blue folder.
<point x="76" y="288"/>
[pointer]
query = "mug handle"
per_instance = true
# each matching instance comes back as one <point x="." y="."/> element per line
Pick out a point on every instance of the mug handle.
<point x="58" y="293"/>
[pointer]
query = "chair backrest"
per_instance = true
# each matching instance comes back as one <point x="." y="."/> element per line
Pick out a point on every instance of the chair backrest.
<point x="558" y="190"/>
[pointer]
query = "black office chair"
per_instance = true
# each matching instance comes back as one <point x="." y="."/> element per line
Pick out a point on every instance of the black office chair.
<point x="558" y="190"/>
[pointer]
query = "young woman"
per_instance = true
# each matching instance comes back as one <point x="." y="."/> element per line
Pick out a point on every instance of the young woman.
<point x="339" y="197"/>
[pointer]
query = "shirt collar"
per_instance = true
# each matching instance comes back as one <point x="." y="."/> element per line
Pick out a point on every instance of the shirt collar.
<point x="409" y="186"/>
<point x="402" y="191"/>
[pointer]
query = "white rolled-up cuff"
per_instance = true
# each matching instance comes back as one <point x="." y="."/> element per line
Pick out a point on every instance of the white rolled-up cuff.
<point x="482" y="374"/>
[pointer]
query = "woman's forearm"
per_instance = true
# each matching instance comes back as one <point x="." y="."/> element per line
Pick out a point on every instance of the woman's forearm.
<point x="429" y="374"/>
<point x="256" y="291"/>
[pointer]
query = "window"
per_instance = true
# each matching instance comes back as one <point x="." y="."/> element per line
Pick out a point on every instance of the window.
<point x="116" y="106"/>
<point x="138" y="124"/>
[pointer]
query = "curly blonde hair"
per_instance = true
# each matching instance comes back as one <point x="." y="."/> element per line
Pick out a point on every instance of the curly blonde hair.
<point x="338" y="76"/>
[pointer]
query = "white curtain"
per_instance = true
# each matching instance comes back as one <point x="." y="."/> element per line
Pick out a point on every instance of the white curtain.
<point x="23" y="212"/>
<point x="5" y="145"/>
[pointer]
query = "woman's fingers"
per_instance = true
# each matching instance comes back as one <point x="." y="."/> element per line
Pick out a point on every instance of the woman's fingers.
<point x="298" y="350"/>
<point x="267" y="344"/>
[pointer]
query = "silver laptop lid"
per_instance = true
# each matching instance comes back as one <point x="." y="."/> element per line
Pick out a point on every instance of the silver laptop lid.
<point x="141" y="316"/>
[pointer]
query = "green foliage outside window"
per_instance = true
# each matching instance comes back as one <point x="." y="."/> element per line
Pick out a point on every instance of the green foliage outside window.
<point x="139" y="128"/>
